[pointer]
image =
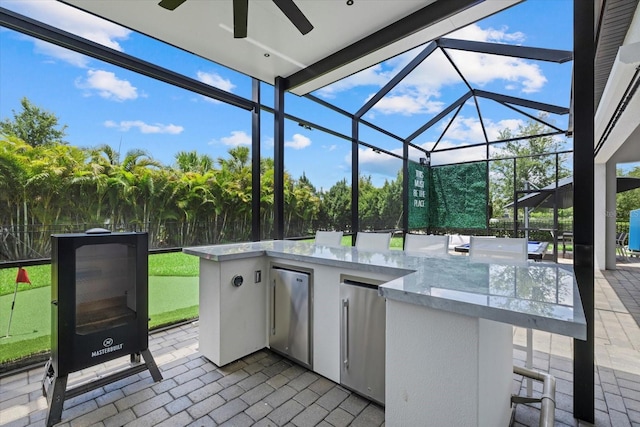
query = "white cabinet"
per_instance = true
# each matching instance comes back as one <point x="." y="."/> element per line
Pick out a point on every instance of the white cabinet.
<point x="232" y="318"/>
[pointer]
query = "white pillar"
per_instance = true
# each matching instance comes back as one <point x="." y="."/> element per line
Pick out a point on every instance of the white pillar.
<point x="600" y="216"/>
<point x="610" y="216"/>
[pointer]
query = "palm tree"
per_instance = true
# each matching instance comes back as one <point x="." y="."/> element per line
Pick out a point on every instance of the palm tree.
<point x="14" y="173"/>
<point x="235" y="179"/>
<point x="191" y="161"/>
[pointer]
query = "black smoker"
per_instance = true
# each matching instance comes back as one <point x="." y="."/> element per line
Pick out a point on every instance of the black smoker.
<point x="99" y="310"/>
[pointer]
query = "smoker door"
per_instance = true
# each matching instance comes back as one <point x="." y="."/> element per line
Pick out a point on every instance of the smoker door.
<point x="290" y="314"/>
<point x="362" y="339"/>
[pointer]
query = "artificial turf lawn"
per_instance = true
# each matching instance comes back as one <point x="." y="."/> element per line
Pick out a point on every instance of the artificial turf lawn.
<point x="171" y="299"/>
<point x="169" y="264"/>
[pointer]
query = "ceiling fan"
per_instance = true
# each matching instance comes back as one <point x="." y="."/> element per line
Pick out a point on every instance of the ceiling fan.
<point x="241" y="12"/>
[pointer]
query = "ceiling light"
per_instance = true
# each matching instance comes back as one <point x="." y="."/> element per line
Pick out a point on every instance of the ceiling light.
<point x="266" y="55"/>
<point x="266" y="48"/>
<point x="349" y="2"/>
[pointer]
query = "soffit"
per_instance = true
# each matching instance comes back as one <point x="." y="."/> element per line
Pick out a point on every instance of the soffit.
<point x="615" y="19"/>
<point x="205" y="28"/>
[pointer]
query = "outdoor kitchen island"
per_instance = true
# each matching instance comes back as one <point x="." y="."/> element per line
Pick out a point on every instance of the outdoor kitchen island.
<point x="448" y="321"/>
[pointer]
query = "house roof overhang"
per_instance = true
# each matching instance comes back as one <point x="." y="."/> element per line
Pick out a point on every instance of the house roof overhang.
<point x="617" y="78"/>
<point x="345" y="38"/>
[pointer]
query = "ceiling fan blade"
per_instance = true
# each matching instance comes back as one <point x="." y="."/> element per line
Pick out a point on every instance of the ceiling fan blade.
<point x="295" y="15"/>
<point x="240" y="18"/>
<point x="171" y="4"/>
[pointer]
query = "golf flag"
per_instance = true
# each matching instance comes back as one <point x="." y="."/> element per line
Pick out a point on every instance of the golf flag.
<point x="22" y="277"/>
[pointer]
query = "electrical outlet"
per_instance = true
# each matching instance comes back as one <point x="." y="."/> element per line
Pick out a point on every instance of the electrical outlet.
<point x="258" y="276"/>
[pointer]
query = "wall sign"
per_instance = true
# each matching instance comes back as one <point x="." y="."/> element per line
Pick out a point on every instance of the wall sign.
<point x="418" y="196"/>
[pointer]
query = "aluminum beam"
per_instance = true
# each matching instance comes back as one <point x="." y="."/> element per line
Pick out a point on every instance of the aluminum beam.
<point x="278" y="159"/>
<point x="523" y="52"/>
<point x="550" y="108"/>
<point x="440" y="116"/>
<point x="75" y="43"/>
<point x="423" y="18"/>
<point x="397" y="78"/>
<point x="256" y="231"/>
<point x="583" y="200"/>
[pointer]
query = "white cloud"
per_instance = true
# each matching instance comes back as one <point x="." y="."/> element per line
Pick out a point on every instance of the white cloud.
<point x="469" y="129"/>
<point x="237" y="137"/>
<point x="143" y="127"/>
<point x="419" y="92"/>
<point x="408" y="104"/>
<point x="372" y="76"/>
<point x="459" y="155"/>
<point x="465" y="131"/>
<point x="72" y="20"/>
<point x="481" y="69"/>
<point x="74" y="58"/>
<point x="107" y="85"/>
<point x="331" y="147"/>
<point x="298" y="142"/>
<point x="475" y="33"/>
<point x="371" y="162"/>
<point x="215" y="80"/>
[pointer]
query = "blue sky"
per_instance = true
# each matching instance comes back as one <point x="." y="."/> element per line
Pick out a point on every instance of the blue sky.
<point x="103" y="104"/>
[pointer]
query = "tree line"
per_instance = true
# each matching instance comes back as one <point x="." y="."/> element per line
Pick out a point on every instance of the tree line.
<point x="48" y="186"/>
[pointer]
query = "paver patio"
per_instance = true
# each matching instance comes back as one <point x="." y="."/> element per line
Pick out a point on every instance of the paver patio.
<point x="263" y="389"/>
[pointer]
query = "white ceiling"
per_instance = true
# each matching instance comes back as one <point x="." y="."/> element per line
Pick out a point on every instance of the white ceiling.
<point x="205" y="28"/>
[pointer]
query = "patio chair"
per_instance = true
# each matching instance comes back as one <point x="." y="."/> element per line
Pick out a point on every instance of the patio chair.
<point x="567" y="238"/>
<point x="426" y="243"/>
<point x="329" y="238"/>
<point x="621" y="245"/>
<point x="502" y="250"/>
<point x="373" y="241"/>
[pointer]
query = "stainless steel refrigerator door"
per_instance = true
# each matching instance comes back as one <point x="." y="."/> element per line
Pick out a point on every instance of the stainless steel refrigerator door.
<point x="290" y="314"/>
<point x="362" y="346"/>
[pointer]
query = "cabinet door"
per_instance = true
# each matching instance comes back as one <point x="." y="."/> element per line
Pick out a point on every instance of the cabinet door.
<point x="362" y="336"/>
<point x="290" y="314"/>
<point x="243" y="313"/>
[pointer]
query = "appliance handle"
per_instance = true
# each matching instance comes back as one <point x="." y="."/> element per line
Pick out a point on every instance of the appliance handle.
<point x="345" y="333"/>
<point x="273" y="309"/>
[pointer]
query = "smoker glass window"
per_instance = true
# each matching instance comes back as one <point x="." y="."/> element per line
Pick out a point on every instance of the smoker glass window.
<point x="105" y="286"/>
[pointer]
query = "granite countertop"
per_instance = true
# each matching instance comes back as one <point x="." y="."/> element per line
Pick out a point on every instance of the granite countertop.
<point x="541" y="296"/>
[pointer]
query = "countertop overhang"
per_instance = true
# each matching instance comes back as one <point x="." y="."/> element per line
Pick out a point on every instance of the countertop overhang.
<point x="542" y="296"/>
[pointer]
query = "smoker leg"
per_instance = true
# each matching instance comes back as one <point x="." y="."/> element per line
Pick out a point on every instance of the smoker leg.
<point x="55" y="396"/>
<point x="151" y="365"/>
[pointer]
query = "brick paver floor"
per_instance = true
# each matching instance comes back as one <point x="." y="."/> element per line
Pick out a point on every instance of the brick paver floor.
<point x="617" y="355"/>
<point x="263" y="389"/>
